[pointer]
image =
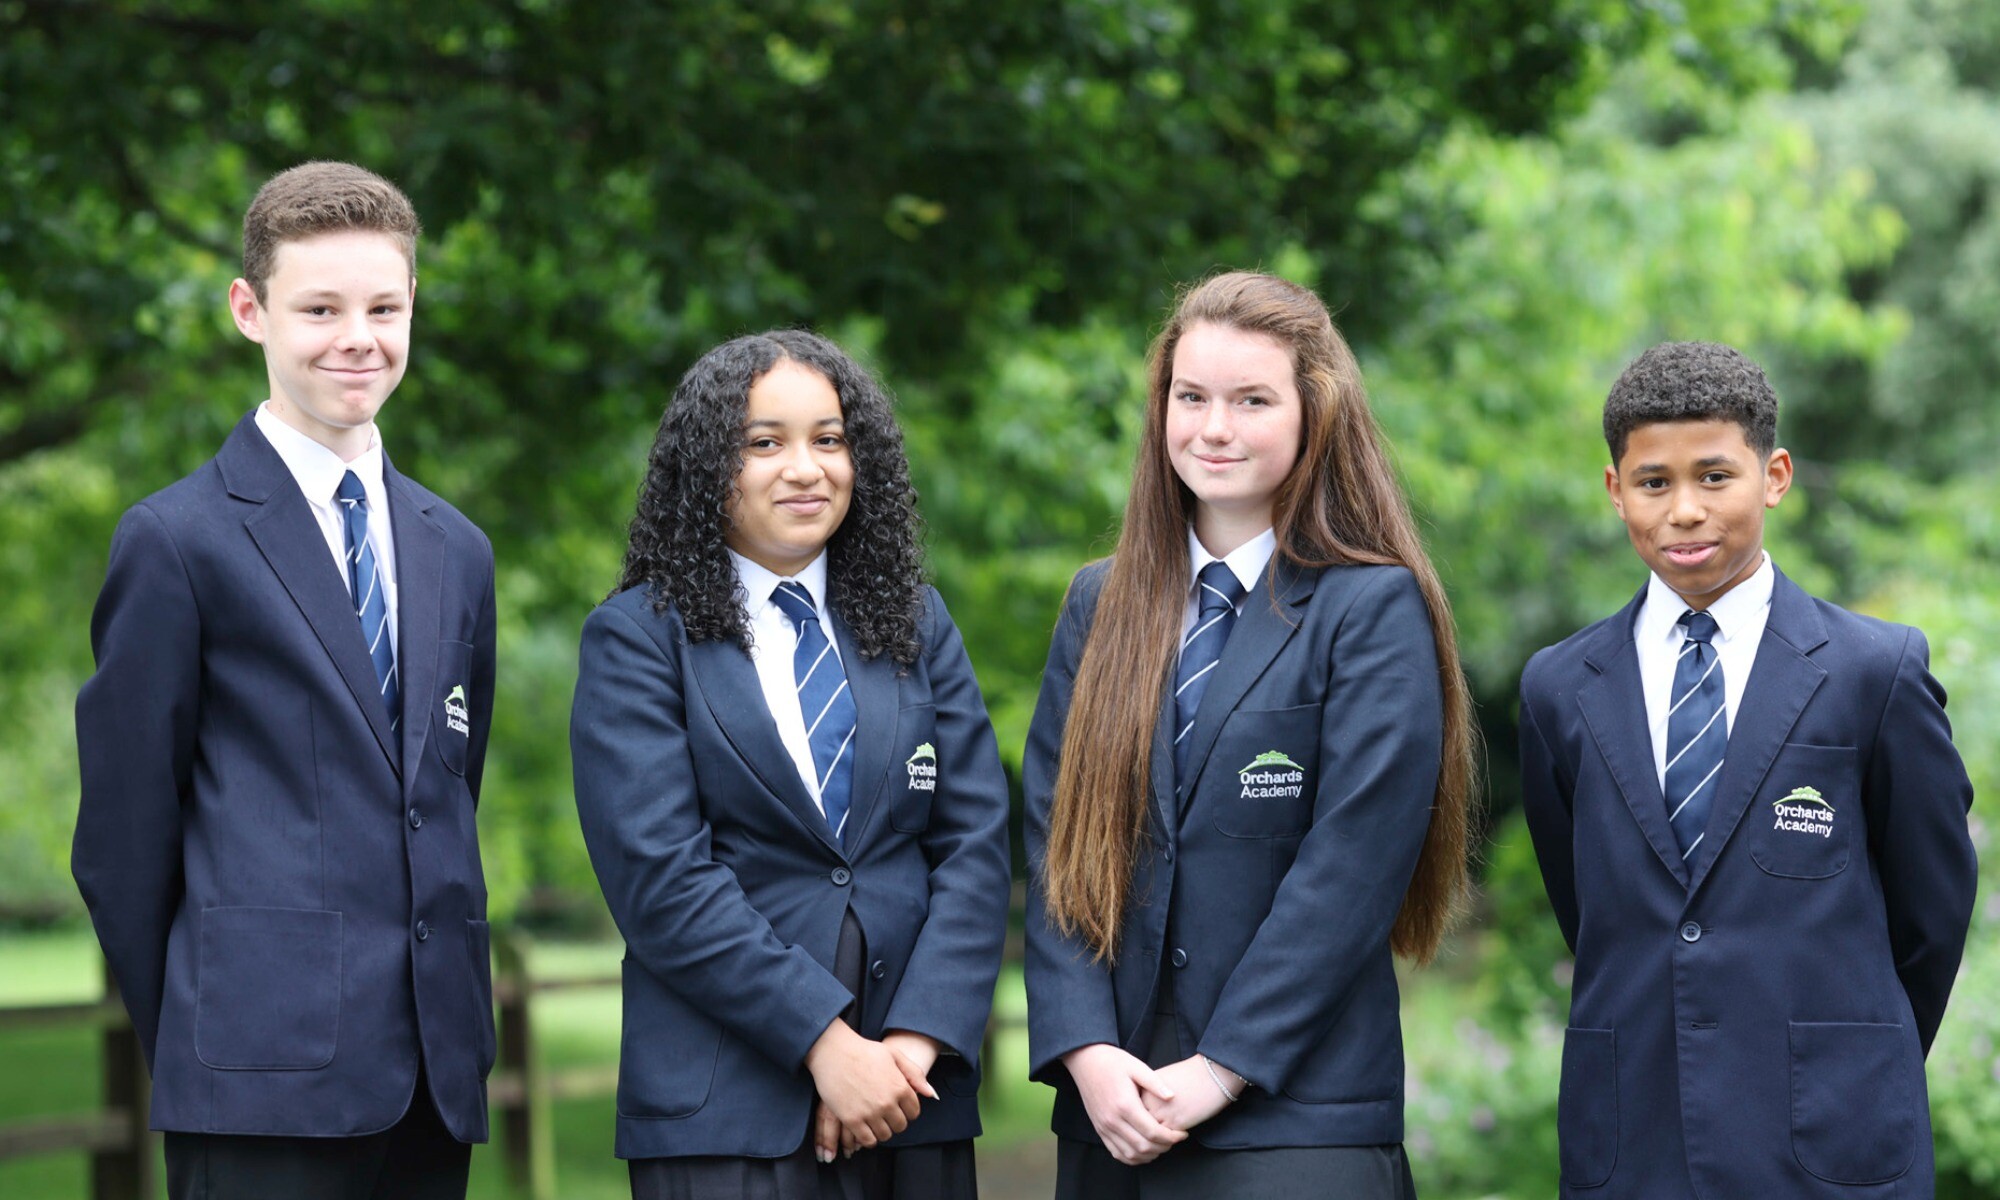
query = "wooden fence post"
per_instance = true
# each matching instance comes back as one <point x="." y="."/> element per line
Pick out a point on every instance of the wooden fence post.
<point x="527" y="1126"/>
<point x="126" y="1171"/>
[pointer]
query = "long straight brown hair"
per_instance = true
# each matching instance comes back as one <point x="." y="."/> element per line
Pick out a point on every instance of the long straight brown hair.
<point x="1341" y="504"/>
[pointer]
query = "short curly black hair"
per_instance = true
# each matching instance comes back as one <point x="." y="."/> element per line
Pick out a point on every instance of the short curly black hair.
<point x="875" y="577"/>
<point x="1691" y="381"/>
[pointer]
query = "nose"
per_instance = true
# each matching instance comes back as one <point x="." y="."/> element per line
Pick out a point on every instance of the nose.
<point x="1687" y="507"/>
<point x="1217" y="424"/>
<point x="801" y="467"/>
<point x="354" y="335"/>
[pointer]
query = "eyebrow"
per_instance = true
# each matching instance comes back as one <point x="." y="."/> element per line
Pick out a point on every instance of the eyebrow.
<point x="1182" y="381"/>
<point x="1713" y="460"/>
<point x="331" y="294"/>
<point x="767" y="422"/>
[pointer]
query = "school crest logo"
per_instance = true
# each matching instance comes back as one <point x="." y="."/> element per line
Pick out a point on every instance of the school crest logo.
<point x="922" y="767"/>
<point x="456" y="715"/>
<point x="1804" y="810"/>
<point x="1272" y="775"/>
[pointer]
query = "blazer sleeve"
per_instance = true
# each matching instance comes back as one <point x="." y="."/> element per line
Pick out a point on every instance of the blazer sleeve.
<point x="483" y="655"/>
<point x="1380" y="740"/>
<point x="1070" y="1002"/>
<point x="947" y="986"/>
<point x="683" y="915"/>
<point x="135" y="735"/>
<point x="1547" y="791"/>
<point x="1918" y="798"/>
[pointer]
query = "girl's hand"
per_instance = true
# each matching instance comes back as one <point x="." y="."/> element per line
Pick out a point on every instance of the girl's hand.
<point x="1195" y="1097"/>
<point x="919" y="1053"/>
<point x="1118" y="1091"/>
<point x="863" y="1084"/>
<point x="826" y="1132"/>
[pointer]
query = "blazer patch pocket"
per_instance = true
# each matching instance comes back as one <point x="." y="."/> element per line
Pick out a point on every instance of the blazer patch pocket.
<point x="1587" y="1106"/>
<point x="1856" y="1093"/>
<point x="267" y="995"/>
<point x="451" y="711"/>
<point x="1802" y="824"/>
<point x="1263" y="774"/>
<point x="913" y="777"/>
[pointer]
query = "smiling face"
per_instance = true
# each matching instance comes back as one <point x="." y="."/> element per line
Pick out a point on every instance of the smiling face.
<point x="1692" y="495"/>
<point x="335" y="328"/>
<point x="797" y="477"/>
<point x="1233" y="425"/>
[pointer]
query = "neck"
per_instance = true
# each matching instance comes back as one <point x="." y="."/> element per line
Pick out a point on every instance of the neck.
<point x="348" y="444"/>
<point x="1221" y="532"/>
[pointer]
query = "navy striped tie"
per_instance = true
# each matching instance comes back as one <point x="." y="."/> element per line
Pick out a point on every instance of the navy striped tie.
<point x="1697" y="733"/>
<point x="1219" y="592"/>
<point x="824" y="702"/>
<point x="370" y="605"/>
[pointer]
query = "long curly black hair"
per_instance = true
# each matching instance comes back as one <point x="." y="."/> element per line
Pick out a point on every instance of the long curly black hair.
<point x="874" y="568"/>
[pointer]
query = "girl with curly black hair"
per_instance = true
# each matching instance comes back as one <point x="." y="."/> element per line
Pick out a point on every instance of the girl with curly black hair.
<point x="792" y="799"/>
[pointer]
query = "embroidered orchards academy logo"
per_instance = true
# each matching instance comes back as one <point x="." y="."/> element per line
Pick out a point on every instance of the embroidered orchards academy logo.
<point x="1272" y="776"/>
<point x="1804" y="810"/>
<point x="456" y="715"/>
<point x="922" y="767"/>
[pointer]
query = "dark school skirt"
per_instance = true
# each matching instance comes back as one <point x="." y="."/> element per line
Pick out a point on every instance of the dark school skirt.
<point x="943" y="1170"/>
<point x="1191" y="1171"/>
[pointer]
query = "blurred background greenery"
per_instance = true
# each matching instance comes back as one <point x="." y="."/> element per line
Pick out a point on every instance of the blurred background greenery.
<point x="1503" y="200"/>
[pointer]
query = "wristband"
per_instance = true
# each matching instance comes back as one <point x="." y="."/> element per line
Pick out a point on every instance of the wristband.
<point x="1208" y="1066"/>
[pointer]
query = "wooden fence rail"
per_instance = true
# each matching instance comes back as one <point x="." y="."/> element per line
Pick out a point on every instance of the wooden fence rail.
<point x="522" y="1089"/>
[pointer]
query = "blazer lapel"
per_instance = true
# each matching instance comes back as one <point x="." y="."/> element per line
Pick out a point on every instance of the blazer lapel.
<point x="1782" y="681"/>
<point x="872" y="682"/>
<point x="736" y="700"/>
<point x="1262" y="630"/>
<point x="290" y="540"/>
<point x="419" y="571"/>
<point x="1614" y="707"/>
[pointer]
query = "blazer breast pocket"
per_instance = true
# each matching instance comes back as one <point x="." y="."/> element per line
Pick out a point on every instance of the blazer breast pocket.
<point x="451" y="708"/>
<point x="1803" y="822"/>
<point x="913" y="776"/>
<point x="1263" y="774"/>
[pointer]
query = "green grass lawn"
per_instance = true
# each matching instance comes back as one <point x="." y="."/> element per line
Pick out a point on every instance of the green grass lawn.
<point x="49" y="1073"/>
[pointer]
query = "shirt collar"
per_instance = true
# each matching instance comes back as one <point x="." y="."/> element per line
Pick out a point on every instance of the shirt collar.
<point x="1246" y="562"/>
<point x="759" y="582"/>
<point x="317" y="469"/>
<point x="1659" y="618"/>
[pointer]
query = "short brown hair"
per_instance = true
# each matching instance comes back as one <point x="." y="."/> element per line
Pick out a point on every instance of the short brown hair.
<point x="322" y="197"/>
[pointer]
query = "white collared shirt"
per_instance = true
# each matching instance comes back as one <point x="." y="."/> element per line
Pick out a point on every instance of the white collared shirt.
<point x="318" y="472"/>
<point x="1740" y="616"/>
<point x="1246" y="562"/>
<point x="773" y="640"/>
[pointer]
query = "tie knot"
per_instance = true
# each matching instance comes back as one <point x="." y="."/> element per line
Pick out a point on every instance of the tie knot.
<point x="795" y="602"/>
<point x="350" y="490"/>
<point x="1698" y="626"/>
<point x="1218" y="588"/>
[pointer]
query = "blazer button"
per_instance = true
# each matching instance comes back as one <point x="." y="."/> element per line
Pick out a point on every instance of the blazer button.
<point x="416" y="819"/>
<point x="1690" y="932"/>
<point x="841" y="876"/>
<point x="1166" y="854"/>
<point x="423" y="931"/>
<point x="879" y="969"/>
<point x="1179" y="957"/>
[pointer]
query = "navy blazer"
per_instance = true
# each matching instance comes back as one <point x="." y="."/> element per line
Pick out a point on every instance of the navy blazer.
<point x="1754" y="1023"/>
<point x="289" y="894"/>
<point x="1267" y="890"/>
<point x="729" y="887"/>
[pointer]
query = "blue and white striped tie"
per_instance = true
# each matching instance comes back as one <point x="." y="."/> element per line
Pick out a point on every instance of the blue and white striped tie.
<point x="1697" y="733"/>
<point x="1219" y="592"/>
<point x="370" y="605"/>
<point x="824" y="702"/>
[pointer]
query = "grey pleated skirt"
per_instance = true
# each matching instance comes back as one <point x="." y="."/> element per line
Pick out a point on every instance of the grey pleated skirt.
<point x="944" y="1170"/>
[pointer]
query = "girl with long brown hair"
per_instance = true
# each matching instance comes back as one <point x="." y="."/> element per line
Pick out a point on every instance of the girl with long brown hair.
<point x="1250" y="781"/>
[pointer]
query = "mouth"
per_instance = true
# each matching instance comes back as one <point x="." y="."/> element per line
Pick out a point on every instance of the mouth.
<point x="1690" y="554"/>
<point x="1216" y="462"/>
<point x="804" y="506"/>
<point x="353" y="374"/>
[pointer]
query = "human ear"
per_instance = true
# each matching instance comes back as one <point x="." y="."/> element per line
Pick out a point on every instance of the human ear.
<point x="1611" y="489"/>
<point x="1777" y="476"/>
<point x="245" y="309"/>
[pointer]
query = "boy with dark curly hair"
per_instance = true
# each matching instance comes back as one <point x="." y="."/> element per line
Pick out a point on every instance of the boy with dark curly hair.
<point x="282" y="747"/>
<point x="1751" y="822"/>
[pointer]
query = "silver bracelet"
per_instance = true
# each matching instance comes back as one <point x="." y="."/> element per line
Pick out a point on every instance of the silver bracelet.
<point x="1208" y="1066"/>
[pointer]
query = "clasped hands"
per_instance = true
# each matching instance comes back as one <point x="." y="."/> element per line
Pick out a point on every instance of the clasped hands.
<point x="1140" y="1113"/>
<point x="868" y="1090"/>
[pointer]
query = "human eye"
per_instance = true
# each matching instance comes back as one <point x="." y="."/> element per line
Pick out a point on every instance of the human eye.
<point x="388" y="310"/>
<point x="831" y="441"/>
<point x="761" y="442"/>
<point x="1716" y="477"/>
<point x="1188" y="397"/>
<point x="1254" y="400"/>
<point x="318" y="310"/>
